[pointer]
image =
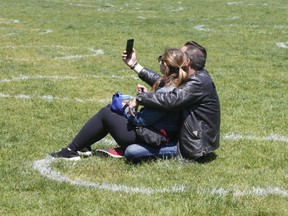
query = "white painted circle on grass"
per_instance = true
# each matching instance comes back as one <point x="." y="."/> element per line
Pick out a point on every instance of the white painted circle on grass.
<point x="45" y="169"/>
<point x="282" y="45"/>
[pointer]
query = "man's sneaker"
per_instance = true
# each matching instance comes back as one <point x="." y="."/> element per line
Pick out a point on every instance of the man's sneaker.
<point x="67" y="154"/>
<point x="85" y="152"/>
<point x="113" y="152"/>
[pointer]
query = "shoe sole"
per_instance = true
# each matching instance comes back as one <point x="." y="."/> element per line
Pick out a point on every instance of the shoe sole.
<point x="108" y="153"/>
<point x="87" y="153"/>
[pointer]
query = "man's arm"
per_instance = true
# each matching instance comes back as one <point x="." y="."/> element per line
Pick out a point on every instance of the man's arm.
<point x="186" y="95"/>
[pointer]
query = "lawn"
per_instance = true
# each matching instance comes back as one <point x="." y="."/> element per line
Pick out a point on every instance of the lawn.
<point x="60" y="62"/>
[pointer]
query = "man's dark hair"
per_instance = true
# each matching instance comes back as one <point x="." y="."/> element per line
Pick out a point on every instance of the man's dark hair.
<point x="197" y="54"/>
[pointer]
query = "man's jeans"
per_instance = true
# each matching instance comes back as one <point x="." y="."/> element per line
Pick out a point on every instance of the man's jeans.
<point x="138" y="152"/>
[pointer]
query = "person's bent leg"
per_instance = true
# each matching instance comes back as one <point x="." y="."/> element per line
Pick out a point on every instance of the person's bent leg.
<point x="103" y="122"/>
<point x="91" y="132"/>
<point x="139" y="152"/>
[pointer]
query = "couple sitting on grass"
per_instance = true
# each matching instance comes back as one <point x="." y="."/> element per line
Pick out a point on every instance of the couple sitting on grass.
<point x="183" y="103"/>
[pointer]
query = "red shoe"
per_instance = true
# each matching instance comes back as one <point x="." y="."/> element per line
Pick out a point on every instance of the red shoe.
<point x="113" y="152"/>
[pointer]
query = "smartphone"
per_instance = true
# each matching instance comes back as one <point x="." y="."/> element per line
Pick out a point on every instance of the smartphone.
<point x="129" y="47"/>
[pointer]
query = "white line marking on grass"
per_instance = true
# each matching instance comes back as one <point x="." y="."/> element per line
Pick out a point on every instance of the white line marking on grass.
<point x="178" y="9"/>
<point x="234" y="3"/>
<point x="95" y="53"/>
<point x="234" y="17"/>
<point x="255" y="191"/>
<point x="201" y="28"/>
<point x="10" y="22"/>
<point x="9" y="34"/>
<point x="50" y="98"/>
<point x="82" y="5"/>
<point x="44" y="167"/>
<point x="35" y="47"/>
<point x="247" y="4"/>
<point x="27" y="77"/>
<point x="47" y="31"/>
<point x="104" y="8"/>
<point x="273" y="137"/>
<point x="282" y="45"/>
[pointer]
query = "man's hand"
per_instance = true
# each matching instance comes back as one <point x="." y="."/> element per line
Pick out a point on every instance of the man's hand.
<point x="141" y="88"/>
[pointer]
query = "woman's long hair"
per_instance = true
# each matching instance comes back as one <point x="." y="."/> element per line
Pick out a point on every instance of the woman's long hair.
<point x="173" y="67"/>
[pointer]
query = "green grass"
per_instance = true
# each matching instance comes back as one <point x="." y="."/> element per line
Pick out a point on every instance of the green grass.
<point x="52" y="81"/>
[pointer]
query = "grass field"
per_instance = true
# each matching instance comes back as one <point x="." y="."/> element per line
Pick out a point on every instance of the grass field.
<point x="60" y="62"/>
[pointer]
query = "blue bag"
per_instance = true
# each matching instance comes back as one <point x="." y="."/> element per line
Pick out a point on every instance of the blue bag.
<point x="116" y="105"/>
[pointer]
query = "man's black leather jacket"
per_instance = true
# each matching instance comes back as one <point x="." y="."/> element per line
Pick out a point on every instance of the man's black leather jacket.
<point x="197" y="98"/>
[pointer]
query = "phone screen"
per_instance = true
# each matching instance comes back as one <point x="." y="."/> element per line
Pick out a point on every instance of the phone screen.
<point x="129" y="47"/>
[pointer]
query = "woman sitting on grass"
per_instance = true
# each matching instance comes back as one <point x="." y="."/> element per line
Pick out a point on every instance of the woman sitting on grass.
<point x="122" y="128"/>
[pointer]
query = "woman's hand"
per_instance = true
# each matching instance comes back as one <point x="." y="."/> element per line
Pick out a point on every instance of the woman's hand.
<point x="133" y="107"/>
<point x="129" y="61"/>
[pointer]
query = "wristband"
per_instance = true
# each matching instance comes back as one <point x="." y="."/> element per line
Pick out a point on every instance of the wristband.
<point x="134" y="65"/>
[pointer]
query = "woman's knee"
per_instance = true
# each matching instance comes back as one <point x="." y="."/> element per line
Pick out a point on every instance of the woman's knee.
<point x="105" y="110"/>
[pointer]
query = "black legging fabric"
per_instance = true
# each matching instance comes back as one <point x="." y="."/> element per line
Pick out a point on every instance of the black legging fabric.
<point x="102" y="123"/>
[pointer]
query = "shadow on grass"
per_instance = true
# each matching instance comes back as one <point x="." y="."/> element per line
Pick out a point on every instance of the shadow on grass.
<point x="207" y="158"/>
<point x="202" y="160"/>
